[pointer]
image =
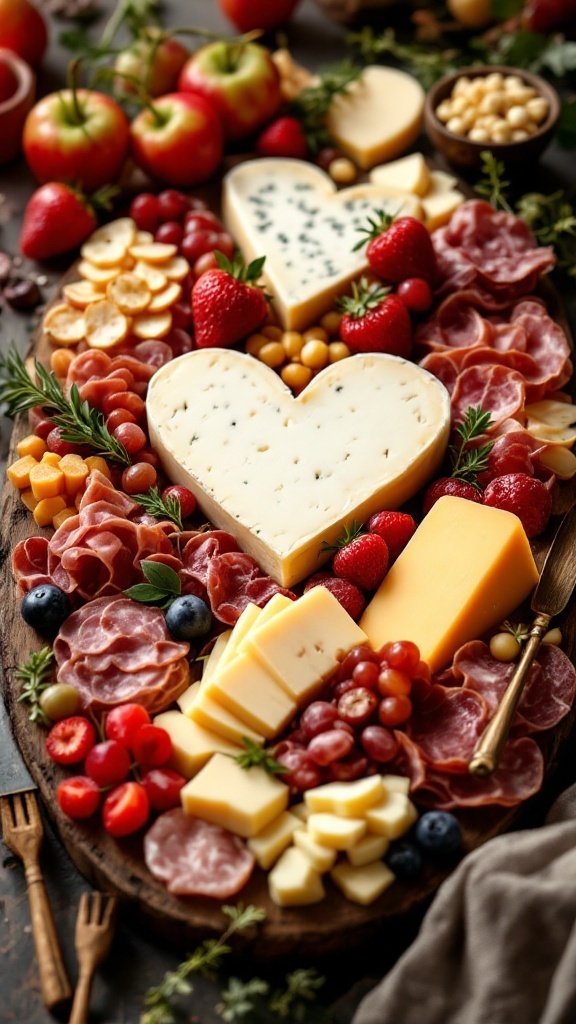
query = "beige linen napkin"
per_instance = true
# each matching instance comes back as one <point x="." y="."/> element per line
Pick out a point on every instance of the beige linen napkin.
<point x="498" y="945"/>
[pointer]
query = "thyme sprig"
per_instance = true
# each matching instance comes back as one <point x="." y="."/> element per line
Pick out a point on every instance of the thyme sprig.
<point x="313" y="103"/>
<point x="493" y="186"/>
<point x="468" y="462"/>
<point x="255" y="756"/>
<point x="159" y="507"/>
<point x="424" y="62"/>
<point x="36" y="676"/>
<point x="78" y="421"/>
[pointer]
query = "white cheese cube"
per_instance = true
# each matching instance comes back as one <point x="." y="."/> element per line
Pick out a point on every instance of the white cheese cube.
<point x="243" y="800"/>
<point x="396" y="784"/>
<point x="346" y="799"/>
<point x="393" y="817"/>
<point x="268" y="844"/>
<point x="441" y="200"/>
<point x="370" y="848"/>
<point x="293" y="882"/>
<point x="248" y="690"/>
<point x="301" y="811"/>
<point x="322" y="857"/>
<point x="336" y="832"/>
<point x="362" y="885"/>
<point x="409" y="174"/>
<point x="192" y="745"/>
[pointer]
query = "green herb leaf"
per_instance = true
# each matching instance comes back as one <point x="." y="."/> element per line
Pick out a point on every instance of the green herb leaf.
<point x="162" y="587"/>
<point x="241" y="918"/>
<point x="162" y="508"/>
<point x="503" y="10"/>
<point x="493" y="186"/>
<point x="312" y="104"/>
<point x="552" y="219"/>
<point x="468" y="462"/>
<point x="146" y="594"/>
<point x="426" y="63"/>
<point x="302" y="987"/>
<point x="241" y="998"/>
<point x="36" y="676"/>
<point x="256" y="756"/>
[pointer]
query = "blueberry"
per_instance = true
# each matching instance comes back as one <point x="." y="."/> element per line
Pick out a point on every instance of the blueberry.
<point x="405" y="860"/>
<point x="189" y="618"/>
<point x="45" y="608"/>
<point x="438" y="832"/>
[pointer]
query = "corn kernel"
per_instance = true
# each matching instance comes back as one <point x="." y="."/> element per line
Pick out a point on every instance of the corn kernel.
<point x="296" y="376"/>
<point x="315" y="354"/>
<point x="292" y="342"/>
<point x="272" y="354"/>
<point x="31" y="445"/>
<point x="331" y="322"/>
<point x="255" y="343"/>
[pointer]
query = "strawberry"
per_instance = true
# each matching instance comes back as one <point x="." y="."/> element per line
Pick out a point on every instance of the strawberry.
<point x="449" y="485"/>
<point x="399" y="249"/>
<point x="283" y="137"/>
<point x="375" y="321"/>
<point x="59" y="218"/>
<point x="395" y="528"/>
<point x="362" y="558"/>
<point x="225" y="305"/>
<point x="348" y="594"/>
<point x="523" y="495"/>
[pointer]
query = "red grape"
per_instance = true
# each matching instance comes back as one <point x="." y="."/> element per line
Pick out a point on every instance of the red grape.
<point x="170" y="232"/>
<point x="196" y="243"/>
<point x="181" y="315"/>
<point x="108" y="763"/>
<point x="416" y="294"/>
<point x="139" y="478"/>
<point x="395" y="710"/>
<point x="145" y="211"/>
<point x="204" y="263"/>
<point x="173" y="205"/>
<point x="366" y="673"/>
<point x="391" y="683"/>
<point x="355" y="766"/>
<point x="202" y="220"/>
<point x="356" y="706"/>
<point x="131" y="436"/>
<point x="354" y="657"/>
<point x="403" y="655"/>
<point x="329" y="746"/>
<point x="379" y="743"/>
<point x="301" y="772"/>
<point x="317" y="717"/>
<point x="126" y="809"/>
<point x="124" y="400"/>
<point x="118" y="416"/>
<point x="43" y="428"/>
<point x="185" y="498"/>
<point x="56" y="444"/>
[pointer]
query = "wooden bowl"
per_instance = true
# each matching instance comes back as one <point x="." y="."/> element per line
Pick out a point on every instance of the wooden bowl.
<point x="13" y="111"/>
<point x="460" y="151"/>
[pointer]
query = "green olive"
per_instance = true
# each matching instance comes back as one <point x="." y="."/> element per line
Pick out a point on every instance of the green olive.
<point x="59" y="701"/>
<point x="504" y="647"/>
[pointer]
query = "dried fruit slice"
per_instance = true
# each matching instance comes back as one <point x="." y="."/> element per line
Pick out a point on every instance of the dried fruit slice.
<point x="65" y="325"/>
<point x="166" y="298"/>
<point x="106" y="326"/>
<point x="143" y="237"/>
<point x="560" y="460"/>
<point x="154" y="278"/>
<point x="81" y="293"/>
<point x="108" y="245"/>
<point x="176" y="269"/>
<point x="152" y="325"/>
<point x="97" y="275"/>
<point x="154" y="252"/>
<point x="129" y="293"/>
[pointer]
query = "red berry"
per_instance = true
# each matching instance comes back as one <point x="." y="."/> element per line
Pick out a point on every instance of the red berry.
<point x="301" y="772"/>
<point x="204" y="263"/>
<point x="70" y="739"/>
<point x="318" y="717"/>
<point x="124" y="722"/>
<point x="283" y="137"/>
<point x="108" y="763"/>
<point x="396" y="528"/>
<point x="198" y="242"/>
<point x="139" y="478"/>
<point x="145" y="211"/>
<point x="56" y="444"/>
<point x="126" y="809"/>
<point x="78" y="797"/>
<point x="354" y="657"/>
<point x="391" y="683"/>
<point x="173" y="205"/>
<point x="181" y="315"/>
<point x="185" y="498"/>
<point x="124" y="400"/>
<point x="170" y="232"/>
<point x="163" y="788"/>
<point x="523" y="495"/>
<point x="403" y="250"/>
<point x="416" y="294"/>
<point x="363" y="561"/>
<point x="449" y="485"/>
<point x="329" y="746"/>
<point x="356" y="706"/>
<point x="402" y="655"/>
<point x="43" y="428"/>
<point x="180" y="341"/>
<point x="152" y="746"/>
<point x="131" y="436"/>
<point x="202" y="220"/>
<point x="379" y="743"/>
<point x="118" y="416"/>
<point x="348" y="594"/>
<point x="355" y="766"/>
<point x="395" y="710"/>
<point x="366" y="673"/>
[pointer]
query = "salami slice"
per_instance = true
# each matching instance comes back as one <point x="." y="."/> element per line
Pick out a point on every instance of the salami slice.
<point x="30" y="563"/>
<point x="447" y="726"/>
<point x="519" y="777"/>
<point x="235" y="580"/>
<point x="496" y="389"/>
<point x="195" y="858"/>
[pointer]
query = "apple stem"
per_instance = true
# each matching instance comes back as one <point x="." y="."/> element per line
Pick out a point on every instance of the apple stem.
<point x="206" y="33"/>
<point x="76" y="114"/>
<point x="141" y="94"/>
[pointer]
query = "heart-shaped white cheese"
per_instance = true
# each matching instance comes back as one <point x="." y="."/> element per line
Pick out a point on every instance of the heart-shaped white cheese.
<point x="290" y="212"/>
<point x="284" y="474"/>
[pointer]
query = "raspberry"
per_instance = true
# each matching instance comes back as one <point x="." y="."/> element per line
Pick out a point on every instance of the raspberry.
<point x="348" y="594"/>
<point x="283" y="137"/>
<point x="449" y="485"/>
<point x="523" y="495"/>
<point x="395" y="528"/>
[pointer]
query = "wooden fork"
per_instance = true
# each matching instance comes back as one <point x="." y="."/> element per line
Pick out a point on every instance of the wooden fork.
<point x="94" y="930"/>
<point x="23" y="831"/>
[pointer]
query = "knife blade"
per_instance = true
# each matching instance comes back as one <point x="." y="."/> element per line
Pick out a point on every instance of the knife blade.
<point x="14" y="776"/>
<point x="551" y="596"/>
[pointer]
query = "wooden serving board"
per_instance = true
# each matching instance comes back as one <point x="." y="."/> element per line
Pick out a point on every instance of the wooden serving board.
<point x="118" y="866"/>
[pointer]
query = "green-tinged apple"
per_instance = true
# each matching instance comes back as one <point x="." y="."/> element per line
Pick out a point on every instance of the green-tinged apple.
<point x="77" y="136"/>
<point x="178" y="139"/>
<point x="241" y="82"/>
<point x="264" y="14"/>
<point x="155" y="65"/>
<point x="23" y="30"/>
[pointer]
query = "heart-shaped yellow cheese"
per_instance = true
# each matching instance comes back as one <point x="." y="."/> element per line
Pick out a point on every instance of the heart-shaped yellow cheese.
<point x="290" y="211"/>
<point x="284" y="474"/>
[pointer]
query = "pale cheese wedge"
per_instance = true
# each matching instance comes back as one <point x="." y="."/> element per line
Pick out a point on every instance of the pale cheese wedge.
<point x="347" y="799"/>
<point x="192" y="745"/>
<point x="409" y="174"/>
<point x="293" y="881"/>
<point x="215" y="654"/>
<point x="243" y="800"/>
<point x="392" y="817"/>
<point x="441" y="201"/>
<point x="322" y="857"/>
<point x="244" y="624"/>
<point x="367" y="850"/>
<point x="215" y="717"/>
<point x="396" y="784"/>
<point x="336" y="832"/>
<point x="364" y="884"/>
<point x="246" y="689"/>
<point x="268" y="844"/>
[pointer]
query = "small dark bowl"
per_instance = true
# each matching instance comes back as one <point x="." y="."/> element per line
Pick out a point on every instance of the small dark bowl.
<point x="460" y="151"/>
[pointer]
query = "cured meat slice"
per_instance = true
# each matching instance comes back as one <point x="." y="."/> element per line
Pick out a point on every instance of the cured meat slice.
<point x="201" y="549"/>
<point x="154" y="353"/>
<point x="519" y="777"/>
<point x="496" y="389"/>
<point x="90" y="365"/>
<point x="408" y="760"/>
<point x="195" y="858"/>
<point x="447" y="726"/>
<point x="457" y="323"/>
<point x="444" y="367"/>
<point x="234" y="581"/>
<point x="30" y="563"/>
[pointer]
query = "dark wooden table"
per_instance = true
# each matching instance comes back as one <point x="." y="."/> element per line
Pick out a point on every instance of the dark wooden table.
<point x="136" y="961"/>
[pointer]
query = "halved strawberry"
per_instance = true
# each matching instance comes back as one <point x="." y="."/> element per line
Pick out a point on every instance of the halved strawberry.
<point x="70" y="740"/>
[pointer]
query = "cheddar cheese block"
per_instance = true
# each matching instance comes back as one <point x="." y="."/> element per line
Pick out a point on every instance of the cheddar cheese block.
<point x="284" y="474"/>
<point x="378" y="116"/>
<point x="464" y="570"/>
<point x="290" y="211"/>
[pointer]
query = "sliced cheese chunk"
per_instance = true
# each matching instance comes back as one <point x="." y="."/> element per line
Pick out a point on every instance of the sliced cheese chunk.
<point x="396" y="784"/>
<point x="348" y="799"/>
<point x="300" y="646"/>
<point x="293" y="881"/>
<point x="301" y="810"/>
<point x="409" y="174"/>
<point x="218" y="719"/>
<point x="392" y="817"/>
<point x="441" y="200"/>
<point x="322" y="857"/>
<point x="268" y="844"/>
<point x="216" y="653"/>
<point x="291" y="210"/>
<point x="246" y="689"/>
<point x="367" y="850"/>
<point x="378" y="116"/>
<point x="187" y="699"/>
<point x="464" y="570"/>
<point x="362" y="885"/>
<point x="192" y="745"/>
<point x="244" y="624"/>
<point x="276" y="604"/>
<point x="284" y="474"/>
<point x="243" y="800"/>
<point x="336" y="832"/>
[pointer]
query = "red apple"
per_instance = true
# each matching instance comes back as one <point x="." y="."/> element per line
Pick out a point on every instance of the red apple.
<point x="180" y="141"/>
<point x="23" y="30"/>
<point x="264" y="14"/>
<point x="80" y="137"/>
<point x="155" y="65"/>
<point x="241" y="82"/>
<point x="17" y="88"/>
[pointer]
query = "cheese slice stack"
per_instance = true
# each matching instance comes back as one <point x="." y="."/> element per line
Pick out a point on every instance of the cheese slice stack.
<point x="284" y="474"/>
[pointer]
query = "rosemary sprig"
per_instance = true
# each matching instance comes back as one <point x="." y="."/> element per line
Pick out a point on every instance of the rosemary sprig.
<point x="492" y="185"/>
<point x="313" y="103"/>
<point x="424" y="62"/>
<point x="256" y="756"/>
<point x="302" y="987"/>
<point x="206" y="960"/>
<point x="553" y="221"/>
<point x="162" y="508"/>
<point x="467" y="462"/>
<point x="36" y="676"/>
<point x="79" y="422"/>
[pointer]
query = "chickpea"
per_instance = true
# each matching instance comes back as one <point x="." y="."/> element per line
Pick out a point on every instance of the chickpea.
<point x="343" y="171"/>
<point x="272" y="354"/>
<point x="296" y="376"/>
<point x="479" y="135"/>
<point x="461" y="86"/>
<point x="517" y="117"/>
<point x="501" y="133"/>
<point x="492" y="103"/>
<point x="315" y="354"/>
<point x="504" y="647"/>
<point x="519" y="135"/>
<point x="537" y="109"/>
<point x="292" y="342"/>
<point x="338" y="350"/>
<point x="459" y="105"/>
<point x="468" y="118"/>
<point x="274" y="333"/>
<point x="444" y="111"/>
<point x="512" y="82"/>
<point x="331" y="322"/>
<point x="455" y="126"/>
<point x="495" y="80"/>
<point x="255" y="343"/>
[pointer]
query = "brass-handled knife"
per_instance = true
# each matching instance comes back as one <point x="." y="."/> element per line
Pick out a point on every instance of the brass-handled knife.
<point x="550" y="598"/>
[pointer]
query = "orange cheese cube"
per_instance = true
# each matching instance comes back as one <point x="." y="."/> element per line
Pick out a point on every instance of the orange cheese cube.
<point x="51" y="458"/>
<point x="46" y="481"/>
<point x="75" y="473"/>
<point x="464" y="570"/>
<point x="29" y="500"/>
<point x="19" y="472"/>
<point x="31" y="445"/>
<point x="62" y="516"/>
<point x="97" y="462"/>
<point x="47" y="508"/>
